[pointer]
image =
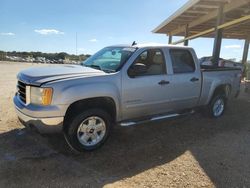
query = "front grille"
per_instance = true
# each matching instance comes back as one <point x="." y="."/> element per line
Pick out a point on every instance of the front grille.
<point x="21" y="91"/>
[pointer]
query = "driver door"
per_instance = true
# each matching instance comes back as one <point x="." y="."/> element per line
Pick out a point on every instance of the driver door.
<point x="145" y="93"/>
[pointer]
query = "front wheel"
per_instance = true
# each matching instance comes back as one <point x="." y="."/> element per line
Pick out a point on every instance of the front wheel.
<point x="217" y="106"/>
<point x="88" y="130"/>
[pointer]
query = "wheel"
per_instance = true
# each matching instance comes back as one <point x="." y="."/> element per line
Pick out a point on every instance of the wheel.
<point x="217" y="106"/>
<point x="88" y="130"/>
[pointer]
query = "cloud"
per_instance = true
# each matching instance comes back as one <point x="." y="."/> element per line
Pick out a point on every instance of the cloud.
<point x="48" y="32"/>
<point x="93" y="40"/>
<point x="8" y="34"/>
<point x="234" y="46"/>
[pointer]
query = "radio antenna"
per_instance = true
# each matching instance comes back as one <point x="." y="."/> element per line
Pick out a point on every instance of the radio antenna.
<point x="134" y="43"/>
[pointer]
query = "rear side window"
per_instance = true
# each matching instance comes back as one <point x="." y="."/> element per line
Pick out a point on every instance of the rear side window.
<point x="182" y="61"/>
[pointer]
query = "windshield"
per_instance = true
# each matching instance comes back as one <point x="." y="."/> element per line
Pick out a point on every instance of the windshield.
<point x="109" y="59"/>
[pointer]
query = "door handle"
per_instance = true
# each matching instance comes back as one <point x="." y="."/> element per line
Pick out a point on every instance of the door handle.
<point x="194" y="79"/>
<point x="163" y="82"/>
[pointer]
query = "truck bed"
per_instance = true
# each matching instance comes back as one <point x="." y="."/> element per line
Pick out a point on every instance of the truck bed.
<point x="213" y="76"/>
<point x="216" y="68"/>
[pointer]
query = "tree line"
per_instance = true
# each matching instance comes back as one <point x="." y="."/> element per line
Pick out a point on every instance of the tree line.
<point x="49" y="56"/>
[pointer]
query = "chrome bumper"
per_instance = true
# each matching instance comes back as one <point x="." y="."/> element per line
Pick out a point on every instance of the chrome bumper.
<point x="43" y="125"/>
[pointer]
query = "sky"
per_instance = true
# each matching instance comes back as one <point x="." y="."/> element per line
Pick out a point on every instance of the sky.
<point x="52" y="26"/>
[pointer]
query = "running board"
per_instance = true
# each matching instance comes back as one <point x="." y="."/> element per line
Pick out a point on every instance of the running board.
<point x="130" y="123"/>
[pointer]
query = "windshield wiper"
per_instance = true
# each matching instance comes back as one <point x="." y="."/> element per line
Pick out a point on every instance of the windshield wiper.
<point x="96" y="67"/>
<point x="99" y="68"/>
<point x="108" y="70"/>
<point x="93" y="66"/>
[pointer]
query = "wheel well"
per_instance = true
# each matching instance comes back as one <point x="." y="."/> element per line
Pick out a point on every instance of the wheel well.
<point x="222" y="89"/>
<point x="105" y="103"/>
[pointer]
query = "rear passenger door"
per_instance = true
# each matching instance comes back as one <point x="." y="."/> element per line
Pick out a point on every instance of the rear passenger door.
<point x="185" y="79"/>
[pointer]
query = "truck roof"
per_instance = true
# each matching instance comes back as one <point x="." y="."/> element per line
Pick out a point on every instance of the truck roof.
<point x="146" y="45"/>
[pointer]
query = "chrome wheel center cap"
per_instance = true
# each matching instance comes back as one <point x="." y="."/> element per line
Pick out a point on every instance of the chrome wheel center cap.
<point x="91" y="130"/>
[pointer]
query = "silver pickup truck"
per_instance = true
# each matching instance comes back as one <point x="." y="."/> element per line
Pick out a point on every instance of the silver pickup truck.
<point x="123" y="85"/>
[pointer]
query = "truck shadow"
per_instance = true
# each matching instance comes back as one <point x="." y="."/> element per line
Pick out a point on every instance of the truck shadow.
<point x="221" y="147"/>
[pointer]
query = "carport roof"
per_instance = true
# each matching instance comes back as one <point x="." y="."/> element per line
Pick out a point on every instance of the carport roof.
<point x="201" y="15"/>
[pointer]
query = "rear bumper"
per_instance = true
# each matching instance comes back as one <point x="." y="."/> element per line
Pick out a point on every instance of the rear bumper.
<point x="43" y="125"/>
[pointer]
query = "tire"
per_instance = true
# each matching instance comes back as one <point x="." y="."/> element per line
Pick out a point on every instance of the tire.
<point x="87" y="130"/>
<point x="217" y="106"/>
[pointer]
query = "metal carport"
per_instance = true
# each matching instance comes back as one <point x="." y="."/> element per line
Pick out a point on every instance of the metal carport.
<point x="210" y="18"/>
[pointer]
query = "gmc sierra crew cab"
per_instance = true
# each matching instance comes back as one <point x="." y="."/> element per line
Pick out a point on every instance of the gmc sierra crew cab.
<point x="124" y="85"/>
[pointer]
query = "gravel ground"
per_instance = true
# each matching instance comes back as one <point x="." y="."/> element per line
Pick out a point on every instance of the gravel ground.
<point x="189" y="152"/>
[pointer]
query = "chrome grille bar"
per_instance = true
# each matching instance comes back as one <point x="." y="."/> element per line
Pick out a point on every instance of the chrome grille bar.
<point x="21" y="90"/>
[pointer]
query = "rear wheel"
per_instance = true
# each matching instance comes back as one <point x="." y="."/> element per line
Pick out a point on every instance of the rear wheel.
<point x="217" y="106"/>
<point x="88" y="130"/>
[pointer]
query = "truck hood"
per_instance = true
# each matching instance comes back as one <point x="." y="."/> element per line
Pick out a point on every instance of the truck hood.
<point x="39" y="75"/>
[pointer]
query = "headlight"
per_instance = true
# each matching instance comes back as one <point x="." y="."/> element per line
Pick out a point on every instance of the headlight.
<point x="41" y="96"/>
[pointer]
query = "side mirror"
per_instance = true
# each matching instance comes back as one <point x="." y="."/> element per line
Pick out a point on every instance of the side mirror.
<point x="137" y="69"/>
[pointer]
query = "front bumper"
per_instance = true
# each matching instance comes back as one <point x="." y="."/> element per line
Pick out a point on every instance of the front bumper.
<point x="43" y="125"/>
<point x="44" y="119"/>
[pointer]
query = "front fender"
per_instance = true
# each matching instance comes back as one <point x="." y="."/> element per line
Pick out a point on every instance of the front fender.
<point x="72" y="93"/>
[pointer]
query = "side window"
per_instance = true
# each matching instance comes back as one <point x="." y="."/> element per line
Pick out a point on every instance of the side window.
<point x="149" y="62"/>
<point x="182" y="61"/>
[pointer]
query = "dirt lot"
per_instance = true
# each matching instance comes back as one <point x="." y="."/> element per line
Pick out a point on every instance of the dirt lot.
<point x="189" y="152"/>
